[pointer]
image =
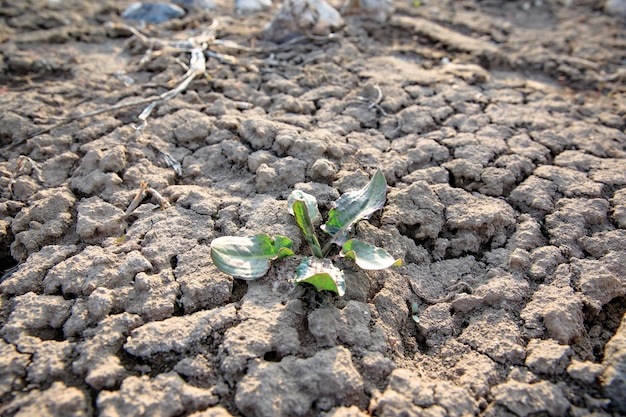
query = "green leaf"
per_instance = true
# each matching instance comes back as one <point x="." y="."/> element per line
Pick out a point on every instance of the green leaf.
<point x="309" y="200"/>
<point x="414" y="310"/>
<point x="322" y="274"/>
<point x="248" y="257"/>
<point x="301" y="213"/>
<point x="368" y="256"/>
<point x="354" y="206"/>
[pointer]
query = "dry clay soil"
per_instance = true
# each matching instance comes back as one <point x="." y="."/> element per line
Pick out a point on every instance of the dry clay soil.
<point x="499" y="127"/>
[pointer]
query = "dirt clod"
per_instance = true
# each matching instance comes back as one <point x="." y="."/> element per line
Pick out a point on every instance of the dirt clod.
<point x="127" y="148"/>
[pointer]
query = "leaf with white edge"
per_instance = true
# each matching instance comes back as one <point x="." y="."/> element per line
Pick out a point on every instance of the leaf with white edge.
<point x="368" y="256"/>
<point x="301" y="213"/>
<point x="354" y="206"/>
<point x="309" y="200"/>
<point x="322" y="274"/>
<point x="248" y="257"/>
<point x="414" y="310"/>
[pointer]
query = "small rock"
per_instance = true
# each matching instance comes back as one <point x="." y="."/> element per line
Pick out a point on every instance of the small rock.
<point x="303" y="17"/>
<point x="157" y="12"/>
<point x="247" y="6"/>
<point x="196" y="4"/>
<point x="617" y="7"/>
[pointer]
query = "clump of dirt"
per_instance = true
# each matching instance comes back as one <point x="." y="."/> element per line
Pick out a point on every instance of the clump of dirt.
<point x="499" y="127"/>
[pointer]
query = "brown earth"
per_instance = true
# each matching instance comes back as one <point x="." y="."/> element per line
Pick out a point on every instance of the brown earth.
<point x="499" y="126"/>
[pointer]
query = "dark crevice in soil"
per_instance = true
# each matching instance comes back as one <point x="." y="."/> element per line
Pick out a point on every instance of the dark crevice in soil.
<point x="7" y="263"/>
<point x="603" y="325"/>
<point x="51" y="334"/>
<point x="240" y="288"/>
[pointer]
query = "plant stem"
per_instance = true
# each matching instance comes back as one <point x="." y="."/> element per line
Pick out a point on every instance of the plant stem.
<point x="327" y="247"/>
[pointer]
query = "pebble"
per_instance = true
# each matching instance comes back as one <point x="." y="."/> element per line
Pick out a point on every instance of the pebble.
<point x="156" y="12"/>
<point x="196" y="4"/>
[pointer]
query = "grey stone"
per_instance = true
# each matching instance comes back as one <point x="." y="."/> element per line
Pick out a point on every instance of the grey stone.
<point x="152" y="12"/>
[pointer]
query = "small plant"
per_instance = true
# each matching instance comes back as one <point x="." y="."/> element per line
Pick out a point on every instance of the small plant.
<point x="249" y="257"/>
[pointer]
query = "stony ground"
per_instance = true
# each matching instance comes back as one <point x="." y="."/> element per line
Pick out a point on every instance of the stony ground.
<point x="499" y="126"/>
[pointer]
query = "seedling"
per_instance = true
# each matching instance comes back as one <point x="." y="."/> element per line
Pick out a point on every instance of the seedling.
<point x="249" y="257"/>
